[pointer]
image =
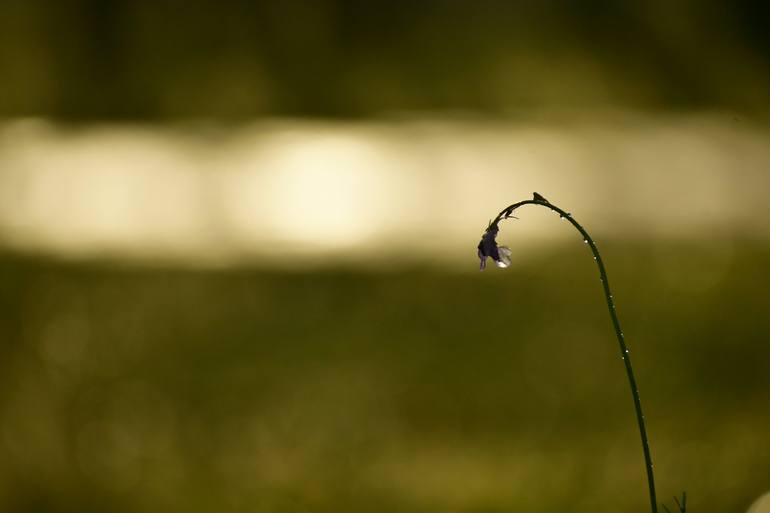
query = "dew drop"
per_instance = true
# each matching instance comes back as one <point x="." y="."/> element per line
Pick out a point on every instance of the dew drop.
<point x="626" y="351"/>
<point x="585" y="241"/>
<point x="594" y="258"/>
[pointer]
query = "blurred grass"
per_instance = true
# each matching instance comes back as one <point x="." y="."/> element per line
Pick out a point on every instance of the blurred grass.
<point x="82" y="60"/>
<point x="412" y="390"/>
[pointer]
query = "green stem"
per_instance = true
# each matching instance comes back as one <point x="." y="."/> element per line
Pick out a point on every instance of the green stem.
<point x="624" y="354"/>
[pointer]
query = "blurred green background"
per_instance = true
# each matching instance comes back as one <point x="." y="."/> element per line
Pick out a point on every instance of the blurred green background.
<point x="85" y="59"/>
<point x="237" y="255"/>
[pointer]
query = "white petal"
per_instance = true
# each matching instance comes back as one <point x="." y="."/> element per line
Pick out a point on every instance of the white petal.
<point x="503" y="262"/>
<point x="505" y="257"/>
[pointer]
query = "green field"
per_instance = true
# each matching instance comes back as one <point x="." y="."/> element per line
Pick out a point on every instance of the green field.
<point x="128" y="389"/>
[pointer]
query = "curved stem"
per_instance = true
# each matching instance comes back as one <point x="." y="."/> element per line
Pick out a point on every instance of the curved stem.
<point x="624" y="354"/>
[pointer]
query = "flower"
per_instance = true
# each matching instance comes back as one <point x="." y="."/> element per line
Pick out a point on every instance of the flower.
<point x="488" y="248"/>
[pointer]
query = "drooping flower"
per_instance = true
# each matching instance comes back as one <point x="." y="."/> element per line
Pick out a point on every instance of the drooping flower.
<point x="488" y="248"/>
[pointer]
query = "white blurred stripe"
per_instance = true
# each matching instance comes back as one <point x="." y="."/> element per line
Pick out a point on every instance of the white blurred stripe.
<point x="291" y="190"/>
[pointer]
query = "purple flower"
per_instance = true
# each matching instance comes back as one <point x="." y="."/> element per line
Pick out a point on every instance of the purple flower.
<point x="488" y="248"/>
